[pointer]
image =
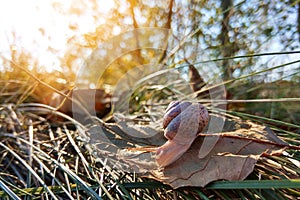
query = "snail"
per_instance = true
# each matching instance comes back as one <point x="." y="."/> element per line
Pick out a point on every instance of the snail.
<point x="182" y="122"/>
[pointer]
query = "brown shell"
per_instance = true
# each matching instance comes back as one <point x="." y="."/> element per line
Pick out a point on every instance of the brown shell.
<point x="185" y="117"/>
<point x="174" y="109"/>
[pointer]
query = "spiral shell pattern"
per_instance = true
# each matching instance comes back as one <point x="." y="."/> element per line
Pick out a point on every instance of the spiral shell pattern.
<point x="185" y="117"/>
<point x="182" y="122"/>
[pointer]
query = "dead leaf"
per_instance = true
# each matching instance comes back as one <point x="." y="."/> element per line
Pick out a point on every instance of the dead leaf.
<point x="232" y="158"/>
<point x="81" y="102"/>
<point x="196" y="81"/>
<point x="233" y="155"/>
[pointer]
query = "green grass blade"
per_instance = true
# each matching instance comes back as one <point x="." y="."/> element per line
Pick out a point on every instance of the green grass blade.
<point x="255" y="184"/>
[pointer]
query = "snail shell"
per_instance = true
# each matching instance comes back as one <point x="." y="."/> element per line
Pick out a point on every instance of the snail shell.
<point x="182" y="122"/>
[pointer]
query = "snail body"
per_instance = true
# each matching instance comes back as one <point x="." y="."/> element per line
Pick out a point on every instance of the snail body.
<point x="182" y="122"/>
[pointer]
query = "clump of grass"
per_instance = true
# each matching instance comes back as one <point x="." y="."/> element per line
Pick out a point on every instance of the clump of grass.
<point x="49" y="159"/>
<point x="42" y="157"/>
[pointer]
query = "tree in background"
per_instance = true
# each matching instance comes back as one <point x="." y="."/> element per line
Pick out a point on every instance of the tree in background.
<point x="210" y="29"/>
<point x="202" y="30"/>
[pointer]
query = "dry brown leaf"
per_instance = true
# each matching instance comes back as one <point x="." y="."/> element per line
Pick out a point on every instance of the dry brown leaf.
<point x="232" y="157"/>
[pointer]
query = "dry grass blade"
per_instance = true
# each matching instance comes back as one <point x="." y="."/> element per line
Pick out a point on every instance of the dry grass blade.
<point x="29" y="169"/>
<point x="53" y="152"/>
<point x="30" y="151"/>
<point x="65" y="169"/>
<point x="48" y="171"/>
<point x="8" y="191"/>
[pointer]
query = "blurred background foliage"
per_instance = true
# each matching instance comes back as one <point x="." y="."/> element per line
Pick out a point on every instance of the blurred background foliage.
<point x="82" y="40"/>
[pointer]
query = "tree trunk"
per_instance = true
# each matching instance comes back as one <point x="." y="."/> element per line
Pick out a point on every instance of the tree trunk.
<point x="227" y="50"/>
